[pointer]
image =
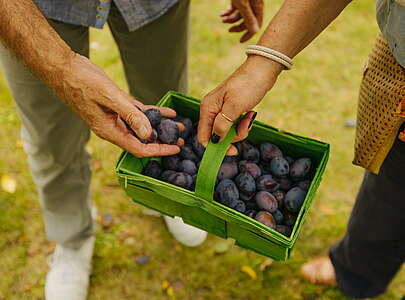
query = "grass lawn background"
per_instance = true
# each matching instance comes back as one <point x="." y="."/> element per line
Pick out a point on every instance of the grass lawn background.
<point x="314" y="99"/>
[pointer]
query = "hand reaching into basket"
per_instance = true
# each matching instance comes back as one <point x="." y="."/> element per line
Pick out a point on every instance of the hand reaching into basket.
<point x="238" y="94"/>
<point x="109" y="111"/>
<point x="251" y="14"/>
<point x="244" y="89"/>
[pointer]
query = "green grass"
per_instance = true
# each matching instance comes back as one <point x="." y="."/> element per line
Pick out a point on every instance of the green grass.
<point x="314" y="99"/>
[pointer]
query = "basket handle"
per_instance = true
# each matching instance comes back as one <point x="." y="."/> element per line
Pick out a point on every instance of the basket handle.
<point x="211" y="162"/>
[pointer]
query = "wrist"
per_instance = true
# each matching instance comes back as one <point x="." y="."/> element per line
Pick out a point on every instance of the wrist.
<point x="264" y="69"/>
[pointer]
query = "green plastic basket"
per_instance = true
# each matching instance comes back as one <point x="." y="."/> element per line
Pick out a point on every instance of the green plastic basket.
<point x="199" y="209"/>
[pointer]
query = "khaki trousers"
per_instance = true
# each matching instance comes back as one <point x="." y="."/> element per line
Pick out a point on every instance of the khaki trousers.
<point x="155" y="61"/>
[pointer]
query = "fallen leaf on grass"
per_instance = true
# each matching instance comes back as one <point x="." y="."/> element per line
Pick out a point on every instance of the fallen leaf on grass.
<point x="125" y="233"/>
<point x="170" y="292"/>
<point x="8" y="184"/>
<point x="19" y="143"/>
<point x="249" y="271"/>
<point x="267" y="263"/>
<point x="221" y="247"/>
<point x="165" y="284"/>
<point x="168" y="289"/>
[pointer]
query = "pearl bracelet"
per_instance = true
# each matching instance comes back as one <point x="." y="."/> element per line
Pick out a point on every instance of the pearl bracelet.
<point x="270" y="54"/>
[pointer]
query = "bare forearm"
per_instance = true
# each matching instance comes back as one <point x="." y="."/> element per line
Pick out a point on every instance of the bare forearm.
<point x="28" y="35"/>
<point x="297" y="24"/>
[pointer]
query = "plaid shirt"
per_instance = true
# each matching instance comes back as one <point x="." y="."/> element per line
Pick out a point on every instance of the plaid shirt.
<point x="94" y="13"/>
<point x="391" y="19"/>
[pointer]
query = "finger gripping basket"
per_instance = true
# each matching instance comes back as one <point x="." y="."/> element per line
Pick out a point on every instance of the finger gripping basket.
<point x="199" y="209"/>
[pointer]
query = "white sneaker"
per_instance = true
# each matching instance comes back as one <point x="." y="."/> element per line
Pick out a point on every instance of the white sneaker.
<point x="68" y="277"/>
<point x="184" y="233"/>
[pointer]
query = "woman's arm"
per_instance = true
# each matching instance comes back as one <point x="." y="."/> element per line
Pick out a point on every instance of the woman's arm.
<point x="295" y="25"/>
<point x="75" y="80"/>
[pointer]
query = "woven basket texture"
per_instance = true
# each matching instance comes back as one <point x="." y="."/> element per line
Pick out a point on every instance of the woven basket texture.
<point x="381" y="108"/>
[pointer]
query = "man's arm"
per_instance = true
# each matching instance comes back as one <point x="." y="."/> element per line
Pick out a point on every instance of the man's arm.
<point x="295" y="25"/>
<point x="76" y="81"/>
<point x="26" y="32"/>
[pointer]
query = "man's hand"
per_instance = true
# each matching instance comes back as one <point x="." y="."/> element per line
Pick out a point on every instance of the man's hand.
<point x="110" y="112"/>
<point x="251" y="11"/>
<point x="238" y="94"/>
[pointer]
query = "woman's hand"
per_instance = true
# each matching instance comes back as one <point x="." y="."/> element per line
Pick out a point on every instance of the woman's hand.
<point x="238" y="94"/>
<point x="110" y="112"/>
<point x="251" y="11"/>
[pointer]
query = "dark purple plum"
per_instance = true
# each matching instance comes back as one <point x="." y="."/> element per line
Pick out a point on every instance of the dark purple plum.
<point x="181" y="179"/>
<point x="188" y="124"/>
<point x="294" y="199"/>
<point x="194" y="177"/>
<point x="197" y="147"/>
<point x="268" y="151"/>
<point x="228" y="170"/>
<point x="228" y="158"/>
<point x="267" y="183"/>
<point x="152" y="139"/>
<point x="186" y="152"/>
<point x="285" y="183"/>
<point x="251" y="153"/>
<point x="246" y="185"/>
<point x="279" y="166"/>
<point x="249" y="167"/>
<point x="289" y="218"/>
<point x="231" y="204"/>
<point x="153" y="169"/>
<point x="278" y="216"/>
<point x="284" y="230"/>
<point x="166" y="174"/>
<point x="238" y="146"/>
<point x="242" y="145"/>
<point x="304" y="184"/>
<point x="188" y="166"/>
<point x="154" y="116"/>
<point x="280" y="196"/>
<point x="168" y="132"/>
<point x="266" y="218"/>
<point x="226" y="192"/>
<point x="300" y="169"/>
<point x="251" y="213"/>
<point x="171" y="162"/>
<point x="251" y="205"/>
<point x="239" y="206"/>
<point x="266" y="201"/>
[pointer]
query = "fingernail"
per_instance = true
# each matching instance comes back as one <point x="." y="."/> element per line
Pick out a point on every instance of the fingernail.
<point x="215" y="138"/>
<point x="256" y="28"/>
<point x="143" y="131"/>
<point x="252" y="119"/>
